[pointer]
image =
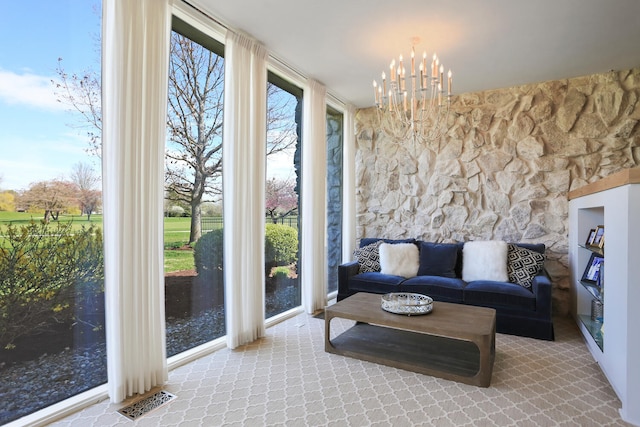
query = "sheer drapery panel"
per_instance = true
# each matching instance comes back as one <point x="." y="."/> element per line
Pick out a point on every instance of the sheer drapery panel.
<point x="134" y="104"/>
<point x="313" y="196"/>
<point x="349" y="186"/>
<point x="244" y="151"/>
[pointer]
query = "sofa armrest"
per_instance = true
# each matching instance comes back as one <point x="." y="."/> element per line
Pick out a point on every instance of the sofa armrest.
<point x="541" y="287"/>
<point x="345" y="272"/>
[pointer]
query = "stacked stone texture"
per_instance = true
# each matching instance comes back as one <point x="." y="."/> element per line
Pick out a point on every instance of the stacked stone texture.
<point x="503" y="169"/>
<point x="334" y="199"/>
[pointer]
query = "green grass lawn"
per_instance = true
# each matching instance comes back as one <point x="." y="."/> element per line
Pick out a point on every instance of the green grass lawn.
<point x="176" y="260"/>
<point x="176" y="234"/>
<point x="17" y="218"/>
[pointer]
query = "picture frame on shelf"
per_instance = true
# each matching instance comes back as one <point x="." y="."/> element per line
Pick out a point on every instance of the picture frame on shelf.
<point x="600" y="282"/>
<point x="592" y="271"/>
<point x="598" y="239"/>
<point x="592" y="234"/>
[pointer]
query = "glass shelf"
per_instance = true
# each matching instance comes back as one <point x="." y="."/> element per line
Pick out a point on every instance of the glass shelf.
<point x="594" y="249"/>
<point x="595" y="329"/>
<point x="593" y="289"/>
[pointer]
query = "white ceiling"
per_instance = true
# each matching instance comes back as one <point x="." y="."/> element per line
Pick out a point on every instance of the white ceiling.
<point x="488" y="44"/>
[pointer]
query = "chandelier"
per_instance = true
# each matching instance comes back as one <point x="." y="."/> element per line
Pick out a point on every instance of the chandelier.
<point x="422" y="110"/>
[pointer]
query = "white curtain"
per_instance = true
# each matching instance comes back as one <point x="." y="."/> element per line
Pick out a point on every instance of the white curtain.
<point x="349" y="185"/>
<point x="313" y="269"/>
<point x="134" y="104"/>
<point x="244" y="158"/>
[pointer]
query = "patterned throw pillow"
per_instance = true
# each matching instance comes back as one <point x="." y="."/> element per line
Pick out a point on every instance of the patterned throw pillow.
<point x="523" y="264"/>
<point x="369" y="257"/>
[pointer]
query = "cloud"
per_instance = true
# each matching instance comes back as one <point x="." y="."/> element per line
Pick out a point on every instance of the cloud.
<point x="28" y="89"/>
<point x="27" y="159"/>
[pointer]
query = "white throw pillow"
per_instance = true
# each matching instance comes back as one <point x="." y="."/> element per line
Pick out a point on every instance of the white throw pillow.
<point x="399" y="259"/>
<point x="485" y="260"/>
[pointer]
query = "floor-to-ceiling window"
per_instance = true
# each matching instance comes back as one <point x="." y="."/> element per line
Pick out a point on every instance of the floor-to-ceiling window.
<point x="52" y="324"/>
<point x="335" y="134"/>
<point x="282" y="246"/>
<point x="52" y="267"/>
<point x="194" y="285"/>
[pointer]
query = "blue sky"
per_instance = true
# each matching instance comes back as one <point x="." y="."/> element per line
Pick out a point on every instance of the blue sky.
<point x="39" y="137"/>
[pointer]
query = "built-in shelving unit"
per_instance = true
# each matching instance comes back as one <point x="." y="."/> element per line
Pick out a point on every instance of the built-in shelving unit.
<point x="613" y="337"/>
<point x="594" y="325"/>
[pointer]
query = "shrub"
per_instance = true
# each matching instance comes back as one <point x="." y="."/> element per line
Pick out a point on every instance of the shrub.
<point x="43" y="270"/>
<point x="281" y="248"/>
<point x="281" y="245"/>
<point x="281" y="272"/>
<point x="207" y="253"/>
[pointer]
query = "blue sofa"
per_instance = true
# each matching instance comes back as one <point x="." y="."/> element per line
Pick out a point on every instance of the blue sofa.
<point x="519" y="311"/>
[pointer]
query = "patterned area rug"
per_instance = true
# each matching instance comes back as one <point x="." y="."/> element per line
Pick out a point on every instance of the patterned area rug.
<point x="287" y="379"/>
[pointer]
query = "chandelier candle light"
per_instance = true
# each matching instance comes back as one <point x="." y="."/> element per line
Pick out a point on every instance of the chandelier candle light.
<point x="425" y="112"/>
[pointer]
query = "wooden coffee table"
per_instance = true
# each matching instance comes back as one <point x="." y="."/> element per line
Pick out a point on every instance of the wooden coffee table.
<point x="455" y="341"/>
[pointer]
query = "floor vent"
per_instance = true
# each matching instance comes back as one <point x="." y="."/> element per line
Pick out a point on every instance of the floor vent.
<point x="146" y="405"/>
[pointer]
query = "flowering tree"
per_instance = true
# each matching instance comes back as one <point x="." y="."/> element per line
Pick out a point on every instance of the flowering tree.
<point x="52" y="197"/>
<point x="281" y="199"/>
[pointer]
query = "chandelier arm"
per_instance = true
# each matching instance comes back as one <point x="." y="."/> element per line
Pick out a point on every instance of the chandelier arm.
<point x="421" y="112"/>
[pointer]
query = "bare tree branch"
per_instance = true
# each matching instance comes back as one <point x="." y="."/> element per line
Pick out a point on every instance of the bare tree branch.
<point x="194" y="122"/>
<point x="82" y="92"/>
<point x="86" y="180"/>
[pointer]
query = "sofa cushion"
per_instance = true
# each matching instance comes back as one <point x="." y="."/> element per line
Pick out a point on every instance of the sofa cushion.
<point x="437" y="287"/>
<point x="377" y="283"/>
<point x="368" y="257"/>
<point x="485" y="260"/>
<point x="523" y="265"/>
<point x="400" y="259"/>
<point x="488" y="293"/>
<point x="438" y="259"/>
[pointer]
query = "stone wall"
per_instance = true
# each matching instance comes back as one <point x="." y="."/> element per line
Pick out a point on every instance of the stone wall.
<point x="504" y="167"/>
<point x="334" y="197"/>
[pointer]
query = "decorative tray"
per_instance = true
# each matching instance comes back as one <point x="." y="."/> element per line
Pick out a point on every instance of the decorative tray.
<point x="407" y="303"/>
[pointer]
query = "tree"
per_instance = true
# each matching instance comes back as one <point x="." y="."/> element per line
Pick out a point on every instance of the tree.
<point x="281" y="129"/>
<point x="52" y="197"/>
<point x="194" y="126"/>
<point x="281" y="199"/>
<point x="211" y="209"/>
<point x="7" y="201"/>
<point x="83" y="93"/>
<point x="86" y="180"/>
<point x="194" y="156"/>
<point x="194" y="123"/>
